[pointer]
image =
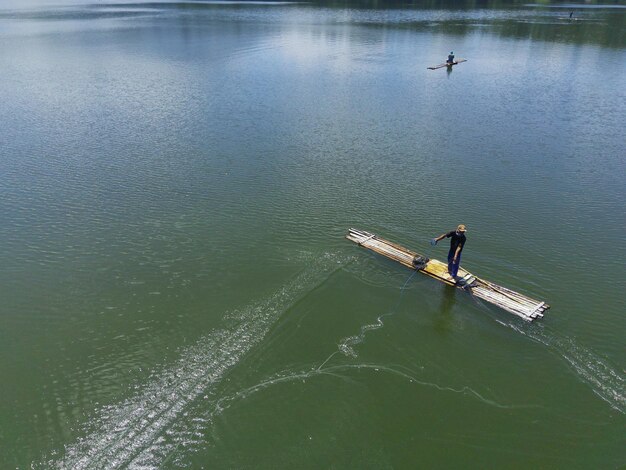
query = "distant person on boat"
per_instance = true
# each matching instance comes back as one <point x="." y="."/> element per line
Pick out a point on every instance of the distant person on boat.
<point x="571" y="14"/>
<point x="450" y="58"/>
<point x="457" y="242"/>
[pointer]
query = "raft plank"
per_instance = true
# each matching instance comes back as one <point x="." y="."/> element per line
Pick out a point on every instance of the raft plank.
<point x="518" y="304"/>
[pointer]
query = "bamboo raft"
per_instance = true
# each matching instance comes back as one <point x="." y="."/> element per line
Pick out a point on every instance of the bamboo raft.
<point x="440" y="66"/>
<point x="513" y="302"/>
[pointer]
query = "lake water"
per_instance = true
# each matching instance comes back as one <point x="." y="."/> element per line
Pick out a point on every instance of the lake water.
<point x="177" y="180"/>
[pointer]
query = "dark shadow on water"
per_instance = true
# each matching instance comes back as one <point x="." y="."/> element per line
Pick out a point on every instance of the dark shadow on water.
<point x="443" y="319"/>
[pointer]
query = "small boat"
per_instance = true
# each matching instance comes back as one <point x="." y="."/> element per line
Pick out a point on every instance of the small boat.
<point x="447" y="64"/>
<point x="511" y="301"/>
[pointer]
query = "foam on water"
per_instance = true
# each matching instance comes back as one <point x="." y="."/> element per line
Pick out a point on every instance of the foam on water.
<point x="346" y="344"/>
<point x="193" y="434"/>
<point x="133" y="433"/>
<point x="149" y="429"/>
<point x="604" y="380"/>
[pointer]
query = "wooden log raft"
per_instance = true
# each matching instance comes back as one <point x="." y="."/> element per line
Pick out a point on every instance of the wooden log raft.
<point x="513" y="302"/>
<point x="447" y="64"/>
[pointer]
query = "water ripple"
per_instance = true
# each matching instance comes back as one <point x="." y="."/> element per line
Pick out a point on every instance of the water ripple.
<point x="132" y="433"/>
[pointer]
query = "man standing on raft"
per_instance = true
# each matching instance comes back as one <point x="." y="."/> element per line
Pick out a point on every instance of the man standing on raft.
<point x="457" y="241"/>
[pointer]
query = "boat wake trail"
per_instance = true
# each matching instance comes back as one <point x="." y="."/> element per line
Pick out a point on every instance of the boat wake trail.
<point x="604" y="381"/>
<point x="138" y="433"/>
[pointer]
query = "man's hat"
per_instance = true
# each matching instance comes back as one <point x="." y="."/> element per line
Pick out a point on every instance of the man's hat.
<point x="461" y="228"/>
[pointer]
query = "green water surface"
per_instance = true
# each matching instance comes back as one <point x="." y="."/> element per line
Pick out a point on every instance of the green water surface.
<point x="177" y="180"/>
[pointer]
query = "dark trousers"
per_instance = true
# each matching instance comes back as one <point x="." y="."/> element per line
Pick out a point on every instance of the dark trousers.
<point x="453" y="268"/>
